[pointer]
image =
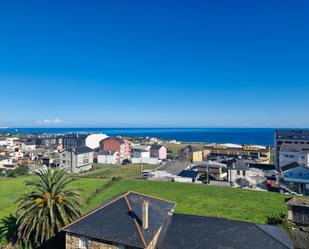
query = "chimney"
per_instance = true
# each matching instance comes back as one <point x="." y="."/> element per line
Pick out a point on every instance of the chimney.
<point x="145" y="215"/>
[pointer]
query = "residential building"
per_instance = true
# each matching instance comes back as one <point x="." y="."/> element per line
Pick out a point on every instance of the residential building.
<point x="130" y="220"/>
<point x="74" y="140"/>
<point x="122" y="146"/>
<point x="257" y="152"/>
<point x="191" y="154"/>
<point x="28" y="146"/>
<point x="46" y="140"/>
<point x="7" y="142"/>
<point x="170" y="170"/>
<point x="23" y="161"/>
<point x="297" y="179"/>
<point x="137" y="221"/>
<point x="8" y="162"/>
<point x="289" y="153"/>
<point x="217" y="170"/>
<point x="93" y="140"/>
<point x="141" y="154"/>
<point x="158" y="151"/>
<point x="298" y="210"/>
<point x="249" y="175"/>
<point x="141" y="151"/>
<point x="52" y="162"/>
<point x="299" y="139"/>
<point x="76" y="159"/>
<point x="108" y="157"/>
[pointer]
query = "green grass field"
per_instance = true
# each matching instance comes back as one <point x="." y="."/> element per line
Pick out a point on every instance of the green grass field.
<point x="130" y="171"/>
<point x="237" y="204"/>
<point x="12" y="188"/>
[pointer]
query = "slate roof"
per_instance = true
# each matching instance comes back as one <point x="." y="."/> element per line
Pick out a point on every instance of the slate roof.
<point x="188" y="174"/>
<point x="198" y="232"/>
<point x="290" y="166"/>
<point x="173" y="167"/>
<point x="156" y="146"/>
<point x="262" y="166"/>
<point x="81" y="150"/>
<point x="119" y="220"/>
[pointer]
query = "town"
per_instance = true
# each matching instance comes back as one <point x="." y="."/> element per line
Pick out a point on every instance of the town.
<point x="282" y="167"/>
<point x="154" y="124"/>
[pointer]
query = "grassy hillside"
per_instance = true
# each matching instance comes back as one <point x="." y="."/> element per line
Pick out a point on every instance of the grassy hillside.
<point x="12" y="188"/>
<point x="130" y="171"/>
<point x="238" y="204"/>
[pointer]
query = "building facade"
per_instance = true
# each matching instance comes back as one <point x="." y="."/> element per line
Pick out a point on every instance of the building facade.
<point x="259" y="153"/>
<point x="123" y="147"/>
<point x="158" y="151"/>
<point x="291" y="144"/>
<point x="76" y="159"/>
<point x="73" y="140"/>
<point x="190" y="153"/>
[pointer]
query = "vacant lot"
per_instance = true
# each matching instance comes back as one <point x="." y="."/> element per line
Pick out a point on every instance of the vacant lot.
<point x="130" y="171"/>
<point x="238" y="204"/>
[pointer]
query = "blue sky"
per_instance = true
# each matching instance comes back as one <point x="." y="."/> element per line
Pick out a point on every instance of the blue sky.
<point x="154" y="63"/>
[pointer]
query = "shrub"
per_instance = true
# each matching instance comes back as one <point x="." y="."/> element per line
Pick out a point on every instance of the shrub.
<point x="20" y="171"/>
<point x="279" y="220"/>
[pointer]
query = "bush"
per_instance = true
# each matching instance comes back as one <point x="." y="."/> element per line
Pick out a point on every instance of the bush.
<point x="279" y="220"/>
<point x="20" y="171"/>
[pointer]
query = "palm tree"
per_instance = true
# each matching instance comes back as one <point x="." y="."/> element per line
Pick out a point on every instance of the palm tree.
<point x="48" y="207"/>
<point x="8" y="230"/>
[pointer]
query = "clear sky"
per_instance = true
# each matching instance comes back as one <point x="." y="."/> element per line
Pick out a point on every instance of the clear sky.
<point x="154" y="63"/>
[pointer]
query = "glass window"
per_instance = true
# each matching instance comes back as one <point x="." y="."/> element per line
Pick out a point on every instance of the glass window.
<point x="83" y="243"/>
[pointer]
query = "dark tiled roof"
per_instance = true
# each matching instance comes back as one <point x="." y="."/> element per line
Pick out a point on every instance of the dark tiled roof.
<point x="120" y="220"/>
<point x="173" y="167"/>
<point x="156" y="146"/>
<point x="188" y="173"/>
<point x="188" y="231"/>
<point x="262" y="166"/>
<point x="81" y="150"/>
<point x="290" y="166"/>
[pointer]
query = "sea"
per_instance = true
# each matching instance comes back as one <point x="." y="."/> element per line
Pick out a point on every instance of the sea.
<point x="254" y="136"/>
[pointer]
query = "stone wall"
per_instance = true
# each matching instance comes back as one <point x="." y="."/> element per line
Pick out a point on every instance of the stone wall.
<point x="72" y="242"/>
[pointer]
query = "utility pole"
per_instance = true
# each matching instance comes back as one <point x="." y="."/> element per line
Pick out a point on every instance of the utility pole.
<point x="207" y="174"/>
<point x="141" y="168"/>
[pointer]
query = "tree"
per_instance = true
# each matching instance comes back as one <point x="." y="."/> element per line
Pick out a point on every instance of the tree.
<point x="8" y="230"/>
<point x="48" y="207"/>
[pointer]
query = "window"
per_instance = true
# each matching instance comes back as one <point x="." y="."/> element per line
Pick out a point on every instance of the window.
<point x="238" y="172"/>
<point x="244" y="173"/>
<point x="83" y="243"/>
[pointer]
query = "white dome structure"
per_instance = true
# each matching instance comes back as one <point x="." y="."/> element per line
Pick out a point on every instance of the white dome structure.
<point x="93" y="140"/>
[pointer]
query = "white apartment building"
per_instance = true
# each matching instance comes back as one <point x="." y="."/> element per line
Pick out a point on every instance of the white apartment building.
<point x="291" y="146"/>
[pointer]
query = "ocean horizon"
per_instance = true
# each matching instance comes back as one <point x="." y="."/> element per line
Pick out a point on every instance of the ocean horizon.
<point x="261" y="136"/>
